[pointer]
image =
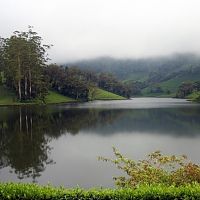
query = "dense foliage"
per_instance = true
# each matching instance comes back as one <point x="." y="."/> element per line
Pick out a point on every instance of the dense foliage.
<point x="24" y="59"/>
<point x="159" y="75"/>
<point x="1" y="58"/>
<point x="71" y="82"/>
<point x="187" y="88"/>
<point x="21" y="191"/>
<point x="82" y="84"/>
<point x="155" y="169"/>
<point x="112" y="84"/>
<point x="24" y="69"/>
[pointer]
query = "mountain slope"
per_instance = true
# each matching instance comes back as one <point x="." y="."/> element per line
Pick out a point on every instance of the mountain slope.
<point x="167" y="72"/>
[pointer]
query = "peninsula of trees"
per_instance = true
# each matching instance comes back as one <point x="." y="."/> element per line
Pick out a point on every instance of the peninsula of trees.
<point x="25" y="72"/>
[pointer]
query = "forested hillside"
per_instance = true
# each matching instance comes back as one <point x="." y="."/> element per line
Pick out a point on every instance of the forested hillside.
<point x="24" y="70"/>
<point x="26" y="76"/>
<point x="149" y="76"/>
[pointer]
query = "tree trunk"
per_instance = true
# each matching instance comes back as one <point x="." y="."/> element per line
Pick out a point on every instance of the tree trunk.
<point x="26" y="123"/>
<point x="19" y="79"/>
<point x="25" y="87"/>
<point x="30" y="83"/>
<point x="19" y="90"/>
<point x="31" y="126"/>
<point x="20" y="120"/>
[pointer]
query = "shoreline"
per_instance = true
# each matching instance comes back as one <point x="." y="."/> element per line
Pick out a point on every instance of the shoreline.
<point x="78" y="101"/>
<point x="53" y="98"/>
<point x="37" y="104"/>
<point x="56" y="103"/>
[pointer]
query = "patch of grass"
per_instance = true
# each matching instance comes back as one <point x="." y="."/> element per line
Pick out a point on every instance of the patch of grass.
<point x="146" y="93"/>
<point x="54" y="97"/>
<point x="139" y="76"/>
<point x="8" y="98"/>
<point x="105" y="95"/>
<point x="172" y="84"/>
<point x="195" y="96"/>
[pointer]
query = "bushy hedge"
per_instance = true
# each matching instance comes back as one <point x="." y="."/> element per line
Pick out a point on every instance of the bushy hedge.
<point x="156" y="168"/>
<point x="35" y="192"/>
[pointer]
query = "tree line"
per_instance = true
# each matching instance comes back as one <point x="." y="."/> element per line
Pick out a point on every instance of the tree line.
<point x="82" y="84"/>
<point x="24" y="69"/>
<point x="188" y="88"/>
<point x="23" y="64"/>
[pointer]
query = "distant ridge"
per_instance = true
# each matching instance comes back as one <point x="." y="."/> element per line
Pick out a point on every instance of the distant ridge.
<point x="166" y="71"/>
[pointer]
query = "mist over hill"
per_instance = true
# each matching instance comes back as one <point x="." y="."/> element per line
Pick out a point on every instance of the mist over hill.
<point x="127" y="69"/>
<point x="167" y="72"/>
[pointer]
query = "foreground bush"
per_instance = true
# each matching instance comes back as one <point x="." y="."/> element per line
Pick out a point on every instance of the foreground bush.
<point x="155" y="169"/>
<point x="13" y="191"/>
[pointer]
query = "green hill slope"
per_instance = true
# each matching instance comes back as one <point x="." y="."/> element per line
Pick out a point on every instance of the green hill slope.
<point x="169" y="87"/>
<point x="54" y="97"/>
<point x="105" y="95"/>
<point x="166" y="72"/>
<point x="8" y="98"/>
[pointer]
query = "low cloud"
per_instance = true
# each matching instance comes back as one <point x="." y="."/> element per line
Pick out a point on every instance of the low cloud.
<point x="124" y="28"/>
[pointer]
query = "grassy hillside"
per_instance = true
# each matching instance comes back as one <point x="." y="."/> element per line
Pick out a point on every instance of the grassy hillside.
<point x="171" y="85"/>
<point x="8" y="98"/>
<point x="168" y="72"/>
<point x="105" y="95"/>
<point x="54" y="97"/>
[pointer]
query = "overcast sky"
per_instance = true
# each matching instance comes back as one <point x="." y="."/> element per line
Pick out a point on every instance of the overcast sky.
<point x="81" y="29"/>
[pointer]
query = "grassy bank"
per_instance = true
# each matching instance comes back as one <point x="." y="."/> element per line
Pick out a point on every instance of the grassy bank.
<point x="105" y="95"/>
<point x="195" y="96"/>
<point x="54" y="97"/>
<point x="32" y="192"/>
<point x="8" y="98"/>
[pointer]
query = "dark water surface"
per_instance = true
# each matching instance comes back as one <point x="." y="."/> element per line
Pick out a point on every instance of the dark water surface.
<point x="60" y="144"/>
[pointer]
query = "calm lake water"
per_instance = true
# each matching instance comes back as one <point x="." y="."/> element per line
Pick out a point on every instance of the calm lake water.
<point x="60" y="144"/>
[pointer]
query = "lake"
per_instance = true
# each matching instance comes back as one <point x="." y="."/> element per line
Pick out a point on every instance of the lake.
<point x="59" y="144"/>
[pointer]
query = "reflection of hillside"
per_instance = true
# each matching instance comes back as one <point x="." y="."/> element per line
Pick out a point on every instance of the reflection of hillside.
<point x="174" y="121"/>
<point x="25" y="134"/>
<point x="51" y="121"/>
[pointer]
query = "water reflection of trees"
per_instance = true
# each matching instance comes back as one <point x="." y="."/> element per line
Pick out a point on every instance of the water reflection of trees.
<point x="23" y="146"/>
<point x="26" y="132"/>
<point x="183" y="122"/>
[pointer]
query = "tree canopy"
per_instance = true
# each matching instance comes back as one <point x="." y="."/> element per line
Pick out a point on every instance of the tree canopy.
<point x="24" y="69"/>
<point x="25" y="59"/>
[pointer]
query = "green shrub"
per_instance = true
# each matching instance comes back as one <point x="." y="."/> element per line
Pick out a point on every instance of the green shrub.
<point x="18" y="191"/>
<point x="155" y="169"/>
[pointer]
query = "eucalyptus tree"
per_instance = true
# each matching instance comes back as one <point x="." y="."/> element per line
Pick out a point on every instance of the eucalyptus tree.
<point x="1" y="59"/>
<point x="25" y="60"/>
